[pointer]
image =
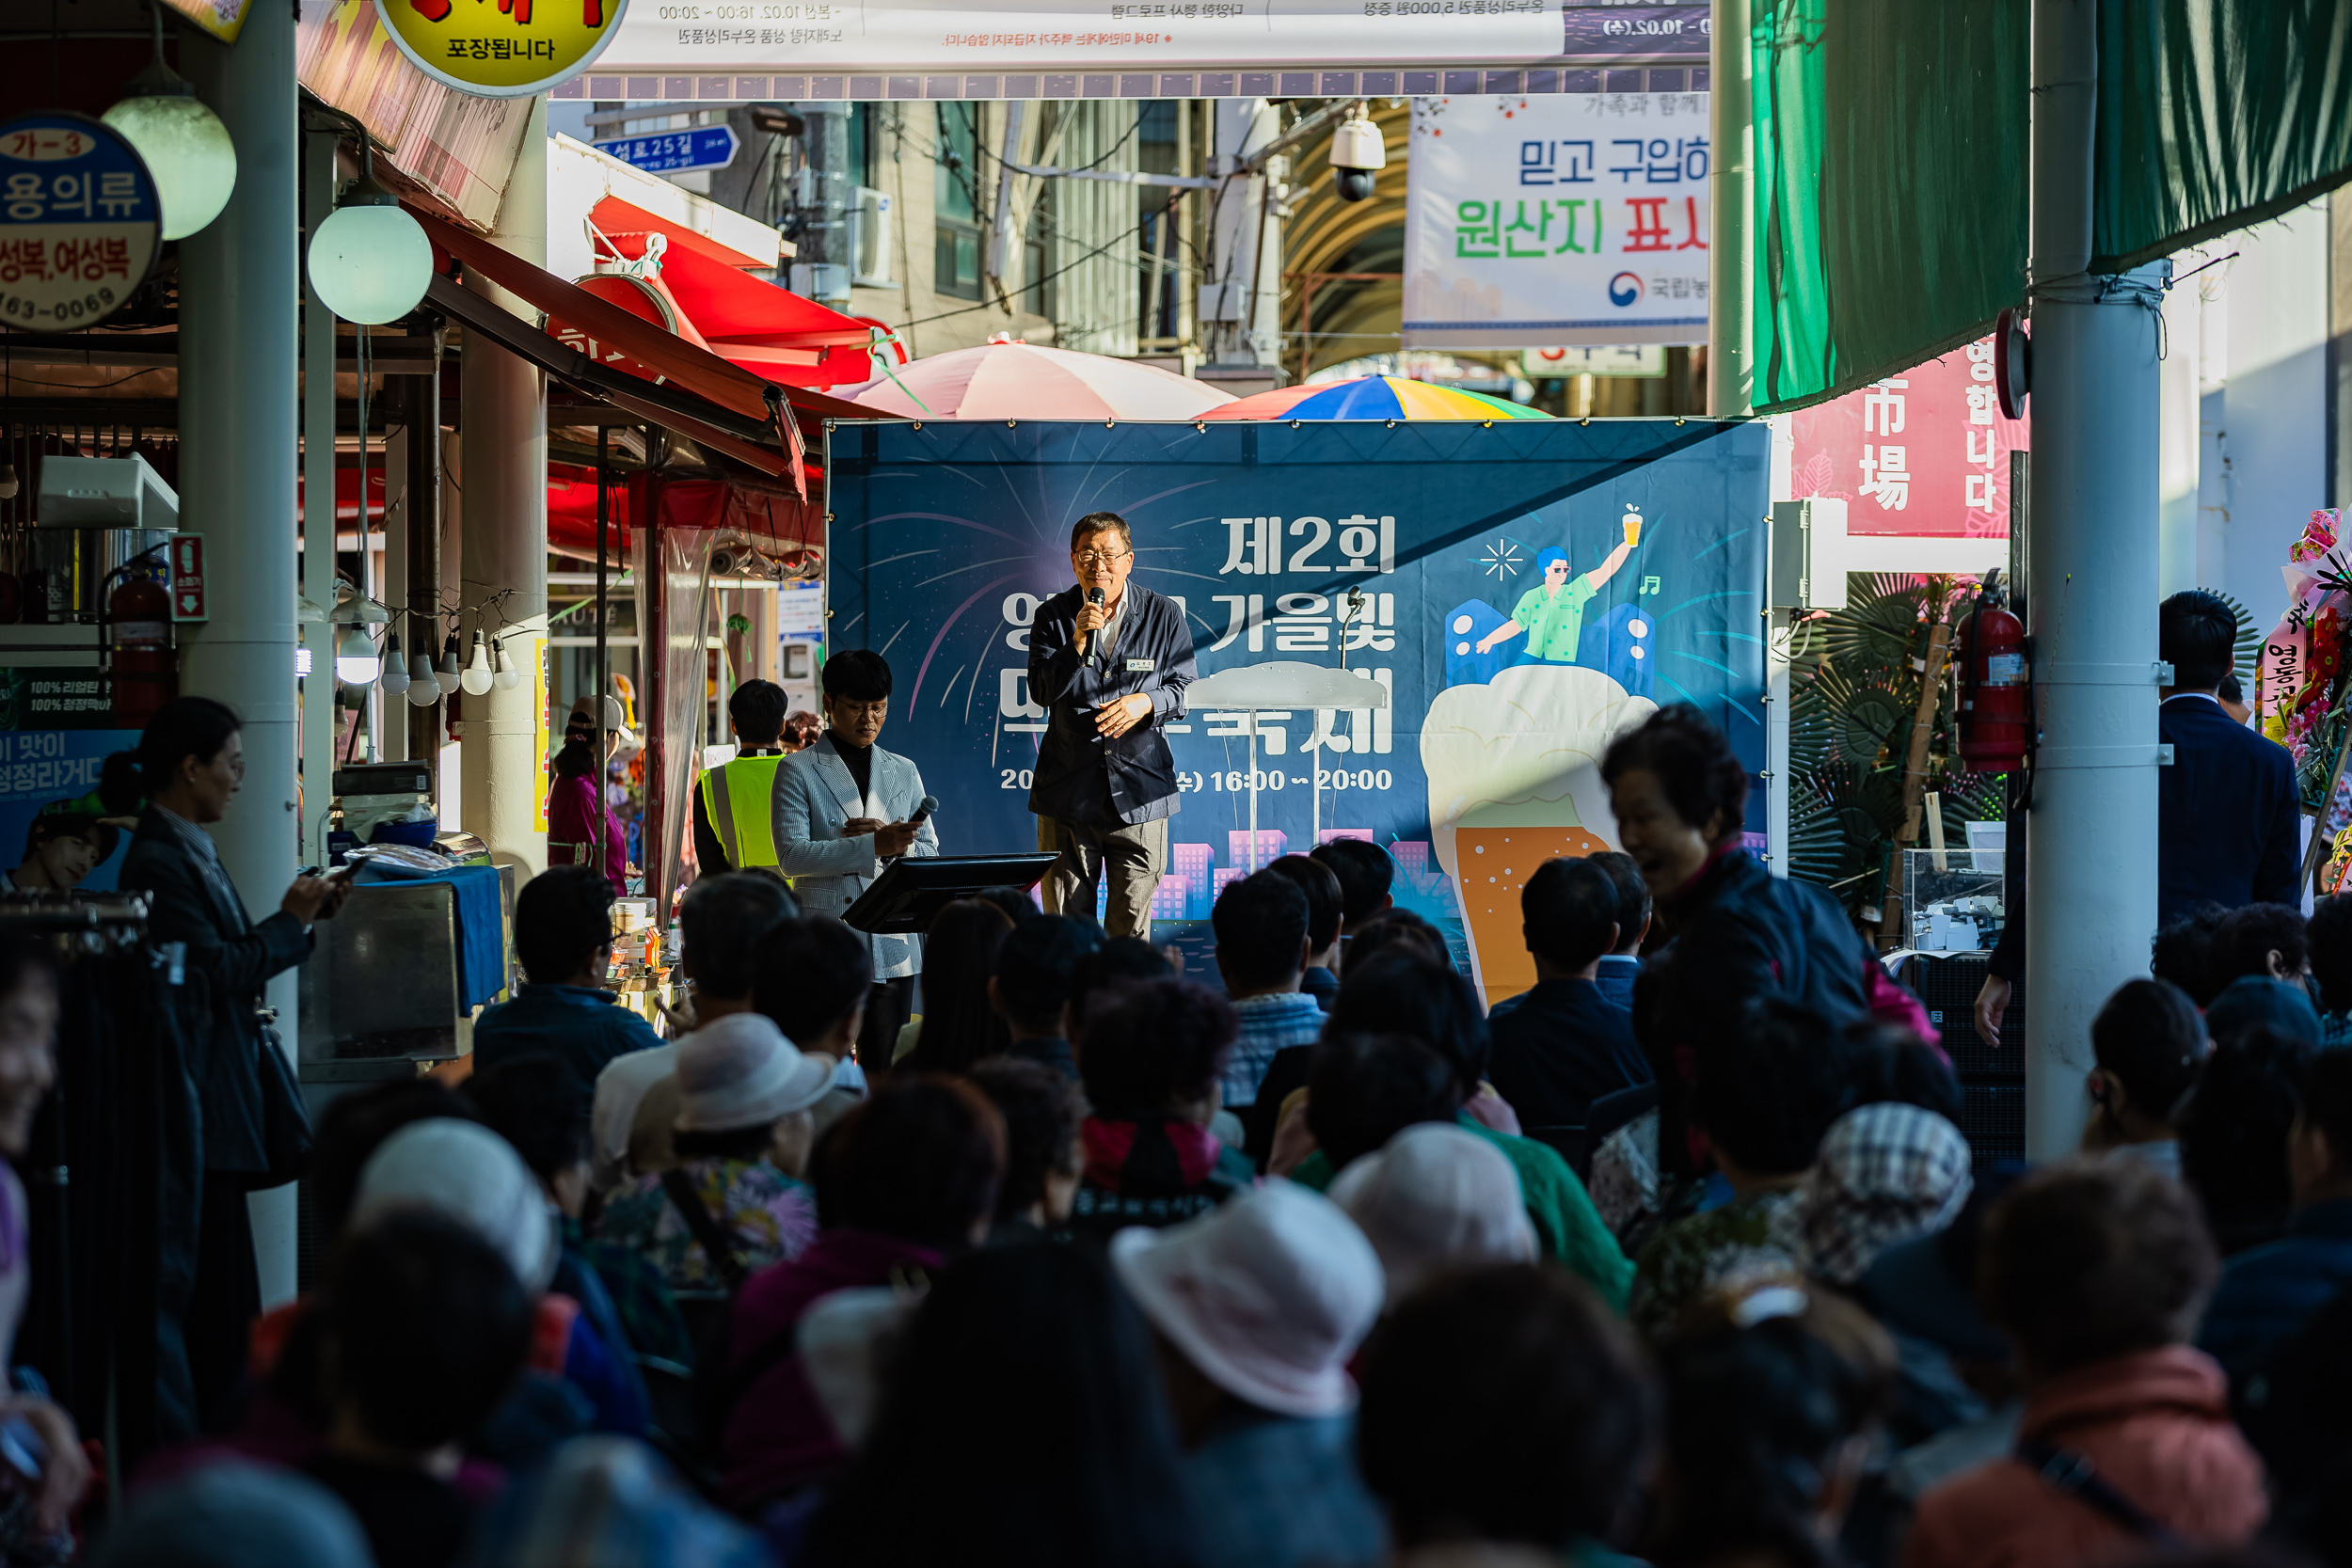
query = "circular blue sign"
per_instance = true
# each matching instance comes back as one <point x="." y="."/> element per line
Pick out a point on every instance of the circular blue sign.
<point x="80" y="221"/>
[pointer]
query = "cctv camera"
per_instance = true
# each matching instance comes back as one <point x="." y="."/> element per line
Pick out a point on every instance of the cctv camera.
<point x="1357" y="154"/>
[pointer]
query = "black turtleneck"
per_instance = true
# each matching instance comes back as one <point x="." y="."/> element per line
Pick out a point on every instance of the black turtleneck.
<point x="860" y="761"/>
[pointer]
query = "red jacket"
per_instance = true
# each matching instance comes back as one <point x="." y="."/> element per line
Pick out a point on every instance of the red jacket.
<point x="2158" y="1427"/>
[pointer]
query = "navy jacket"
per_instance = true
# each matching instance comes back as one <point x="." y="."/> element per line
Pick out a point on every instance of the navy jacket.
<point x="2227" y="824"/>
<point x="2268" y="1293"/>
<point x="582" y="1026"/>
<point x="229" y="961"/>
<point x="1740" y="931"/>
<point x="1075" y="766"/>
<point x="1558" y="1048"/>
<point x="2228" y="828"/>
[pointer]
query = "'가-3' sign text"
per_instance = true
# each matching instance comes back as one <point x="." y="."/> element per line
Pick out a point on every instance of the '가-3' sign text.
<point x="80" y="223"/>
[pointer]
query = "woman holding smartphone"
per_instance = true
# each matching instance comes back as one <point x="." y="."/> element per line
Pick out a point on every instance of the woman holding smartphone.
<point x="192" y="764"/>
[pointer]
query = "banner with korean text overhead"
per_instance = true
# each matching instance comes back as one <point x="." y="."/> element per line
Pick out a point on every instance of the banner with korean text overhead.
<point x="1923" y="454"/>
<point x="1534" y="222"/>
<point x="1075" y="37"/>
<point x="1528" y="590"/>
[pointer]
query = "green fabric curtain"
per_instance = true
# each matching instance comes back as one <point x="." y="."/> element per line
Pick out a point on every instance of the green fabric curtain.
<point x="2214" y="114"/>
<point x="1891" y="196"/>
<point x="1890" y="186"/>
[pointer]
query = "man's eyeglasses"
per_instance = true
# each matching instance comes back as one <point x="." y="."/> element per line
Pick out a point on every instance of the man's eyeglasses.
<point x="1098" y="558"/>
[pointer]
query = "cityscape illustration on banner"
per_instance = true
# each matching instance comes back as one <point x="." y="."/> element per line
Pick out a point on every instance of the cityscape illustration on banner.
<point x="1561" y="220"/>
<point x="1521" y="593"/>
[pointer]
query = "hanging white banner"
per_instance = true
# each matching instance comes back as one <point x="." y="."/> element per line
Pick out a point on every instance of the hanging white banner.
<point x="1111" y="36"/>
<point x="1535" y="222"/>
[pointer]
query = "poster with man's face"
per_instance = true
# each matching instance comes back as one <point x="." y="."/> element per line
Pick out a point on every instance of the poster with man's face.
<point x="57" y="731"/>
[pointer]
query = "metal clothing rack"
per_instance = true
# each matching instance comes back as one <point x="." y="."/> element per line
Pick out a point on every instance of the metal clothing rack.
<point x="110" y="1176"/>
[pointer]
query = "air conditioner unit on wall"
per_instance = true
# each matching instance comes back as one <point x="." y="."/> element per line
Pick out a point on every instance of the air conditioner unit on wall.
<point x="870" y="239"/>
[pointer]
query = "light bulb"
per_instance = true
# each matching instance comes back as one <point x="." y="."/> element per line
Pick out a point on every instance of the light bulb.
<point x="355" y="659"/>
<point x="370" y="263"/>
<point x="186" y="148"/>
<point x="477" y="678"/>
<point x="8" y="482"/>
<point x="395" y="677"/>
<point x="445" y="669"/>
<point x="506" y="675"/>
<point x="424" y="689"/>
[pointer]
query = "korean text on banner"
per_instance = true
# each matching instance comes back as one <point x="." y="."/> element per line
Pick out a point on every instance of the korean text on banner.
<point x="1564" y="220"/>
<point x="1923" y="454"/>
<point x="1522" y="592"/>
<point x="1077" y="36"/>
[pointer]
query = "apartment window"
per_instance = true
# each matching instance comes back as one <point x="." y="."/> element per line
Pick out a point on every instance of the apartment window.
<point x="956" y="202"/>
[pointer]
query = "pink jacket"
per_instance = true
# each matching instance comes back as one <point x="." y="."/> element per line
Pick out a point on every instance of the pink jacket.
<point x="778" y="1437"/>
<point x="2156" y="1425"/>
<point x="572" y="831"/>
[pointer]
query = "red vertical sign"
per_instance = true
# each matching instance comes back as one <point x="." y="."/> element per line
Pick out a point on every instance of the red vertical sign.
<point x="1923" y="453"/>
<point x="187" y="578"/>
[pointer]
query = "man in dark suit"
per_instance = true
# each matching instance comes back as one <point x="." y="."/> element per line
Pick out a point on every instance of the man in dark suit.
<point x="2229" y="831"/>
<point x="1108" y="660"/>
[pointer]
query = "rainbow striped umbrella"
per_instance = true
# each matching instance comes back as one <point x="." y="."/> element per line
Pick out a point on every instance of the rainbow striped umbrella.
<point x="1371" y="397"/>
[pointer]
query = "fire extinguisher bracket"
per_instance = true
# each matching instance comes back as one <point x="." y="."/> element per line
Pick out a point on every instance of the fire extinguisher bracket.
<point x="2101" y="757"/>
<point x="2155" y="674"/>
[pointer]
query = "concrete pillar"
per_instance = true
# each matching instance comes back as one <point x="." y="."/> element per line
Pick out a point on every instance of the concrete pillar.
<point x="321" y="698"/>
<point x="825" y="246"/>
<point x="239" y="291"/>
<point x="1241" y="304"/>
<point x="503" y="455"/>
<point x="1731" y="200"/>
<point x="2091" y="575"/>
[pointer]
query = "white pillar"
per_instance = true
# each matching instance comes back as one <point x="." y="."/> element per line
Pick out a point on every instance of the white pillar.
<point x="1730" y="195"/>
<point x="2090" y="893"/>
<point x="319" y="693"/>
<point x="1241" y="308"/>
<point x="503" y="441"/>
<point x="239" y="291"/>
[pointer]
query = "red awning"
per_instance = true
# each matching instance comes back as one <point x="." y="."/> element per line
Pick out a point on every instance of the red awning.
<point x="673" y="358"/>
<point x="782" y="521"/>
<point x="769" y="331"/>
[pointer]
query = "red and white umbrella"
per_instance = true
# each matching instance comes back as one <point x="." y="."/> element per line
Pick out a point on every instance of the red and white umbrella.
<point x="1005" y="380"/>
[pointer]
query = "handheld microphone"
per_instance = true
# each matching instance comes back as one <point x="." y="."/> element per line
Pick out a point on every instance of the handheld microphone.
<point x="923" y="810"/>
<point x="1085" y="648"/>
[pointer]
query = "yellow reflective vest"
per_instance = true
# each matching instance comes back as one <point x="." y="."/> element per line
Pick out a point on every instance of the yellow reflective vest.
<point x="738" y="798"/>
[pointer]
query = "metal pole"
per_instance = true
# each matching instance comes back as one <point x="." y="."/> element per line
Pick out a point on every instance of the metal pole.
<point x="239" y="289"/>
<point x="421" y="559"/>
<point x="320" y="693"/>
<point x="653" y="713"/>
<point x="1731" y="106"/>
<point x="503" y="457"/>
<point x="604" y="606"/>
<point x="2090" y="888"/>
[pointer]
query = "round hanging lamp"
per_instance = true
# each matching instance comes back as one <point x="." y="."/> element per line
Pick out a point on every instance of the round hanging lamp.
<point x="370" y="261"/>
<point x="183" y="144"/>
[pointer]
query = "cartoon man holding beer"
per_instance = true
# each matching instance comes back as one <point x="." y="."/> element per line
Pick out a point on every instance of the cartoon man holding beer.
<point x="1551" y="613"/>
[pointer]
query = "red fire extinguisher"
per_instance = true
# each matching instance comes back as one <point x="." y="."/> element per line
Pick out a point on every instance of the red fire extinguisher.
<point x="1994" y="689"/>
<point x="144" y="675"/>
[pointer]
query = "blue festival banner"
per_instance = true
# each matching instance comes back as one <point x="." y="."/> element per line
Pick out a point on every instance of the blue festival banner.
<point x="1521" y="591"/>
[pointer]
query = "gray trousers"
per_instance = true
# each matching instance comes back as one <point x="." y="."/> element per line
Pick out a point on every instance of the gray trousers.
<point x="1132" y="855"/>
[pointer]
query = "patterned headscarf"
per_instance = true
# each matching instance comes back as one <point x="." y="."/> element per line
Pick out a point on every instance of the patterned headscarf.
<point x="1885" y="1173"/>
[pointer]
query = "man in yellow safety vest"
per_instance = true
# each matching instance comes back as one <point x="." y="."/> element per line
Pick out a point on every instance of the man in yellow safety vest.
<point x="734" y="810"/>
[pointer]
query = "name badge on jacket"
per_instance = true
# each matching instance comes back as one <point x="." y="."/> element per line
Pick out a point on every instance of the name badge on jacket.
<point x="1140" y="666"/>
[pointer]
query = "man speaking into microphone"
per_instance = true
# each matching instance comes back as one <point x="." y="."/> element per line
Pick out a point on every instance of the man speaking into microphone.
<point x="1109" y="661"/>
